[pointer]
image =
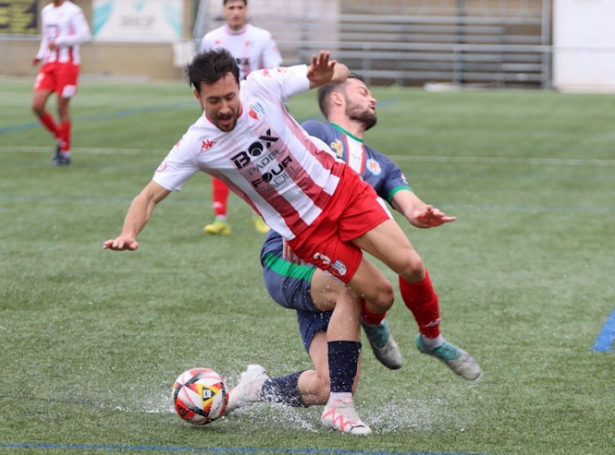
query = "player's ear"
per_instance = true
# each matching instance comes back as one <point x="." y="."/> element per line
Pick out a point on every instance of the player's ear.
<point x="197" y="95"/>
<point x="337" y="98"/>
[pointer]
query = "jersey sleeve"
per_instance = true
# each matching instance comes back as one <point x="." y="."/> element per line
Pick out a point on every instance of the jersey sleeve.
<point x="271" y="54"/>
<point x="177" y="167"/>
<point x="81" y="31"/>
<point x="394" y="180"/>
<point x="282" y="83"/>
<point x="42" y="49"/>
<point x="206" y="44"/>
<point x="318" y="129"/>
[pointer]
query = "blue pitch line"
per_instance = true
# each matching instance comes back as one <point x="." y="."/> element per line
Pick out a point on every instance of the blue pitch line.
<point x="86" y="118"/>
<point x="605" y="342"/>
<point x="214" y="449"/>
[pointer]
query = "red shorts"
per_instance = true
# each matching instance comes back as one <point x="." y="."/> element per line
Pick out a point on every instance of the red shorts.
<point x="58" y="77"/>
<point x="354" y="210"/>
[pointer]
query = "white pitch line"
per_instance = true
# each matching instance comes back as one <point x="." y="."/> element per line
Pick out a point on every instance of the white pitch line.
<point x="496" y="160"/>
<point x="398" y="158"/>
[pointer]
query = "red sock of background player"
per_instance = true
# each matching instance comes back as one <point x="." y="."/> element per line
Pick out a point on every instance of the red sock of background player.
<point x="220" y="194"/>
<point x="370" y="317"/>
<point x="422" y="300"/>
<point x="49" y="124"/>
<point x="64" y="136"/>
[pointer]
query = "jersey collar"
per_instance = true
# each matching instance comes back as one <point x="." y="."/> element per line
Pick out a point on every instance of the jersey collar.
<point x="339" y="128"/>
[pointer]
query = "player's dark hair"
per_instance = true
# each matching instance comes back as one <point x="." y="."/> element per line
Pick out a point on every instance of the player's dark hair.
<point x="211" y="66"/>
<point x="245" y="2"/>
<point x="324" y="94"/>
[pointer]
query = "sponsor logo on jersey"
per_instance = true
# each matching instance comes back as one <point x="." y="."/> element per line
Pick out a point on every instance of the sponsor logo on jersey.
<point x="337" y="146"/>
<point x="373" y="166"/>
<point x="339" y="268"/>
<point x="206" y="145"/>
<point x="258" y="160"/>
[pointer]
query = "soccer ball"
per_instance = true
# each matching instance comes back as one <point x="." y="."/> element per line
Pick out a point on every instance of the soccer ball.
<point x="200" y="396"/>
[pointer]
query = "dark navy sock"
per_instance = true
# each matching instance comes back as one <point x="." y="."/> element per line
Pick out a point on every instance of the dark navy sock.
<point x="343" y="361"/>
<point x="283" y="390"/>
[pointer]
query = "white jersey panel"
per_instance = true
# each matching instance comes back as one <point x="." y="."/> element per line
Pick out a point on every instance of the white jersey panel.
<point x="254" y="48"/>
<point x="65" y="26"/>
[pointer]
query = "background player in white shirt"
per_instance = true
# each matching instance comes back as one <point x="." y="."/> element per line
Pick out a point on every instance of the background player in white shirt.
<point x="322" y="208"/>
<point x="64" y="28"/>
<point x="254" y="49"/>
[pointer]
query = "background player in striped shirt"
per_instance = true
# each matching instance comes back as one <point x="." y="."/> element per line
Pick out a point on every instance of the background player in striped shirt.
<point x="255" y="49"/>
<point x="327" y="311"/>
<point x="64" y="28"/>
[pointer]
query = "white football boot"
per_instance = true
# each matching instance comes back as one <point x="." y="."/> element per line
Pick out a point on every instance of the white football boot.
<point x="342" y="416"/>
<point x="248" y="390"/>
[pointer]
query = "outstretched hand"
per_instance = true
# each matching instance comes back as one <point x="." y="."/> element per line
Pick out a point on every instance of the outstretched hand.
<point x="321" y="71"/>
<point x="431" y="217"/>
<point x="121" y="243"/>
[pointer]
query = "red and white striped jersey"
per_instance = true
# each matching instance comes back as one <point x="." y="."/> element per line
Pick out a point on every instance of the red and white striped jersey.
<point x="66" y="26"/>
<point x="254" y="48"/>
<point x="267" y="159"/>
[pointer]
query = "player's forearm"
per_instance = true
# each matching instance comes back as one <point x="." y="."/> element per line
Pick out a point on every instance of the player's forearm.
<point x="408" y="204"/>
<point x="82" y="35"/>
<point x="137" y="216"/>
<point x="71" y="40"/>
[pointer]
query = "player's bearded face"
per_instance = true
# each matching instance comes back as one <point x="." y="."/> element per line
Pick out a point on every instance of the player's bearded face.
<point x="220" y="102"/>
<point x="361" y="112"/>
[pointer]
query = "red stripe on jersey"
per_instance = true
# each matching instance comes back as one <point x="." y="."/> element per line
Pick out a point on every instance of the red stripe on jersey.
<point x="326" y="159"/>
<point x="284" y="209"/>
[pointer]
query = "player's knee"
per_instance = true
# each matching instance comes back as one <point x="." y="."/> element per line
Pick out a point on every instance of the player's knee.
<point x="385" y="297"/>
<point x="38" y="109"/>
<point x="412" y="268"/>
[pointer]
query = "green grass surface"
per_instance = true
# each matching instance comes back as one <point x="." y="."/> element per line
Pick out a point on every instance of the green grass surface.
<point x="91" y="340"/>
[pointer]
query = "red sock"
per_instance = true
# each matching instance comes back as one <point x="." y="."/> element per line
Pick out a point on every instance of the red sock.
<point x="369" y="316"/>
<point x="49" y="124"/>
<point x="422" y="300"/>
<point x="64" y="136"/>
<point x="220" y="196"/>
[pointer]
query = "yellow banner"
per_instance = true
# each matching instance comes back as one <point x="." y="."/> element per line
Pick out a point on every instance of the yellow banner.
<point x="18" y="17"/>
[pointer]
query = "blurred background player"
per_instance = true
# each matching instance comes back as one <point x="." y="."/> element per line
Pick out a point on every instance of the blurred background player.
<point x="64" y="28"/>
<point x="254" y="49"/>
<point x="328" y="313"/>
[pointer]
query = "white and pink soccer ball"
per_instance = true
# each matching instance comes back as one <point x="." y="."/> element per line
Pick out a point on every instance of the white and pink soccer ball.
<point x="200" y="396"/>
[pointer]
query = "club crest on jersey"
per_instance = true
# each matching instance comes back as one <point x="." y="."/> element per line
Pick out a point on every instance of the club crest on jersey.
<point x="373" y="166"/>
<point x="256" y="111"/>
